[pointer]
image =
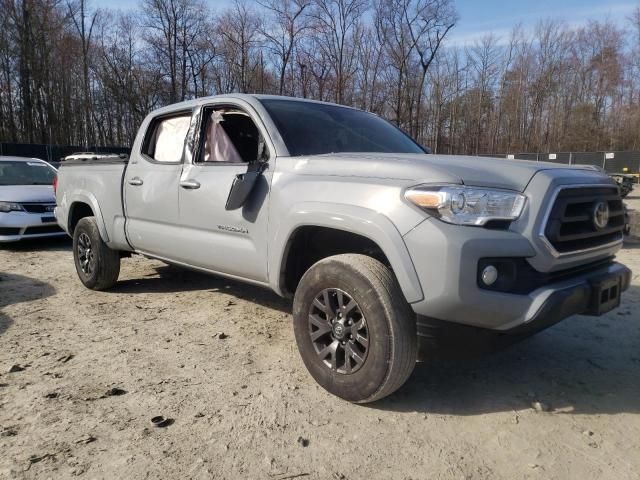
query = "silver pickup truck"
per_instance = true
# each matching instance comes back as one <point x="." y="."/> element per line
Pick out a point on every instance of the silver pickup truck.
<point x="380" y="244"/>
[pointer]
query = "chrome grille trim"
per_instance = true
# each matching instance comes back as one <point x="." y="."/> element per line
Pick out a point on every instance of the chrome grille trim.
<point x="549" y="208"/>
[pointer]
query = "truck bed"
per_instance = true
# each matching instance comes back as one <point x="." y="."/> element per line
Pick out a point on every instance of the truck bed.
<point x="85" y="181"/>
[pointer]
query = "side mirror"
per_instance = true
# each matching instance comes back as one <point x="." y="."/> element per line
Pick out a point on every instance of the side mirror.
<point x="243" y="185"/>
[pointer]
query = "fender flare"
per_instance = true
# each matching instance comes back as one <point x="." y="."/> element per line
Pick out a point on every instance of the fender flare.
<point x="89" y="199"/>
<point x="358" y="220"/>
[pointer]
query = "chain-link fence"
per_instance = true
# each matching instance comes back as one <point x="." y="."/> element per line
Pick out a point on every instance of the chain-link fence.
<point x="53" y="153"/>
<point x="611" y="162"/>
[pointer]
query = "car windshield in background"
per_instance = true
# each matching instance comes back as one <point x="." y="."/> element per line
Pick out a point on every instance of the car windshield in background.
<point x="25" y="173"/>
<point x="314" y="129"/>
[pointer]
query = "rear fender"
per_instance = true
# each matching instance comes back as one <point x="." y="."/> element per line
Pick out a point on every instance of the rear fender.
<point x="89" y="199"/>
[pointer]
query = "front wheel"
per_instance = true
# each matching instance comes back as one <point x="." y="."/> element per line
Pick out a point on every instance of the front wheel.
<point x="97" y="265"/>
<point x="354" y="329"/>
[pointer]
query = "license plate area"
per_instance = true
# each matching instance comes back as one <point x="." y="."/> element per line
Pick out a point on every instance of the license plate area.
<point x="605" y="294"/>
<point x="48" y="219"/>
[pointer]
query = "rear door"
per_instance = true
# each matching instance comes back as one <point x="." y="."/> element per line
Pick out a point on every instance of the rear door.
<point x="151" y="186"/>
<point x="233" y="242"/>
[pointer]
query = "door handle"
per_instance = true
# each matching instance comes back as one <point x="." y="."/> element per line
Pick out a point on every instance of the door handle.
<point x="136" y="181"/>
<point x="190" y="184"/>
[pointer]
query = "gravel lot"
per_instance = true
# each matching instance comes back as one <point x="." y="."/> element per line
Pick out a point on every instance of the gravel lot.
<point x="218" y="359"/>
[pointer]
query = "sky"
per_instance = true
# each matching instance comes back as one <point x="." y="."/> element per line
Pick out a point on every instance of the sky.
<point x="481" y="17"/>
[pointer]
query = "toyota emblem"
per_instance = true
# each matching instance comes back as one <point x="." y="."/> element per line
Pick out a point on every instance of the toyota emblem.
<point x="601" y="215"/>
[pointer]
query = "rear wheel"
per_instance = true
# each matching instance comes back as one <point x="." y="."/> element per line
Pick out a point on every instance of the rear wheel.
<point x="97" y="265"/>
<point x="354" y="329"/>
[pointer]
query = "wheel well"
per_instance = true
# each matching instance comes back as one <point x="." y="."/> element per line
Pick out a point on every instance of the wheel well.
<point x="77" y="212"/>
<point x="309" y="244"/>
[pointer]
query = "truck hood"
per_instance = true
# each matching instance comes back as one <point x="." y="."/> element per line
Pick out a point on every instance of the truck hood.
<point x="476" y="171"/>
<point x="27" y="193"/>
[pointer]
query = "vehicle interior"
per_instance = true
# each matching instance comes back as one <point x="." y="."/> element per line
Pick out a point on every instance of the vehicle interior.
<point x="164" y="140"/>
<point x="230" y="136"/>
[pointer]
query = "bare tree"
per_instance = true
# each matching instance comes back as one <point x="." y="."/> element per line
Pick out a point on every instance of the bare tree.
<point x="173" y="27"/>
<point x="288" y="23"/>
<point x="8" y="127"/>
<point x="338" y="29"/>
<point x="483" y="59"/>
<point x="84" y="24"/>
<point x="239" y="27"/>
<point x="429" y="22"/>
<point x="393" y="32"/>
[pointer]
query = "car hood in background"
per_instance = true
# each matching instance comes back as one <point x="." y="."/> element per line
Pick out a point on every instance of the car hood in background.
<point x="27" y="193"/>
<point x="477" y="171"/>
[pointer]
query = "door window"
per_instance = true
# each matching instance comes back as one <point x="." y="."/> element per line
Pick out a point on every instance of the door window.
<point x="165" y="138"/>
<point x="229" y="135"/>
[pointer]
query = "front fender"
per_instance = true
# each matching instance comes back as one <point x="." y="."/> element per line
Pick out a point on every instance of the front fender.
<point x="358" y="220"/>
<point x="66" y="204"/>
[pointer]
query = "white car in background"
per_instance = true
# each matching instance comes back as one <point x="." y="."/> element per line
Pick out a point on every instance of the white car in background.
<point x="27" y="200"/>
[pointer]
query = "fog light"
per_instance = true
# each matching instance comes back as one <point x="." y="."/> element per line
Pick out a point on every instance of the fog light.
<point x="489" y="275"/>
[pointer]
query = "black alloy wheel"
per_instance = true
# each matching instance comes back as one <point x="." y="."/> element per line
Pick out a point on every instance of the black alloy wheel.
<point x="338" y="331"/>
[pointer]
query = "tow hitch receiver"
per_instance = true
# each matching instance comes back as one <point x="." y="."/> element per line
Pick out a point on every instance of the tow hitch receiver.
<point x="605" y="294"/>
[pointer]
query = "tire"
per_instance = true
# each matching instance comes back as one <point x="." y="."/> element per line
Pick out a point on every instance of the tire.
<point x="378" y="335"/>
<point x="97" y="265"/>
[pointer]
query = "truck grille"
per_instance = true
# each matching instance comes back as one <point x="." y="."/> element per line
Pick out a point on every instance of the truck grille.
<point x="39" y="207"/>
<point x="572" y="226"/>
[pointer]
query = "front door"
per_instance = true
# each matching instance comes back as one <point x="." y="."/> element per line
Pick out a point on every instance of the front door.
<point x="151" y="187"/>
<point x="233" y="242"/>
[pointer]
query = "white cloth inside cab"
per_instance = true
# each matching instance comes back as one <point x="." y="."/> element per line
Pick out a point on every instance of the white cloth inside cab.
<point x="170" y="136"/>
<point x="218" y="147"/>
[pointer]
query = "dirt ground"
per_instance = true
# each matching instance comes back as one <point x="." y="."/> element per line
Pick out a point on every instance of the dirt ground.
<point x="99" y="366"/>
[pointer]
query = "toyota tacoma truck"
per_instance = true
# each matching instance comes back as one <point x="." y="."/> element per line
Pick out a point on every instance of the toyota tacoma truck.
<point x="377" y="241"/>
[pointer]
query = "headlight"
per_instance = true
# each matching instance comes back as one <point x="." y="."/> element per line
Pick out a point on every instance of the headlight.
<point x="10" y="207"/>
<point x="467" y="205"/>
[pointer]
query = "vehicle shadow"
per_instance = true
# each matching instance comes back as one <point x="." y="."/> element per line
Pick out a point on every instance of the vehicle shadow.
<point x="17" y="289"/>
<point x="52" y="244"/>
<point x="581" y="365"/>
<point x="177" y="279"/>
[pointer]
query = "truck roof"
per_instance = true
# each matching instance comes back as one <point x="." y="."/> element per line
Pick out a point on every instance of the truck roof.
<point x="252" y="99"/>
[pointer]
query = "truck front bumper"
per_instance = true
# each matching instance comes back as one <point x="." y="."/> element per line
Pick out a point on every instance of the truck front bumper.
<point x="593" y="294"/>
<point x="447" y="257"/>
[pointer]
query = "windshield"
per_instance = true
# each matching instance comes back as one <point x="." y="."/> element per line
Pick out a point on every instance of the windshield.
<point x="314" y="128"/>
<point x="26" y="173"/>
